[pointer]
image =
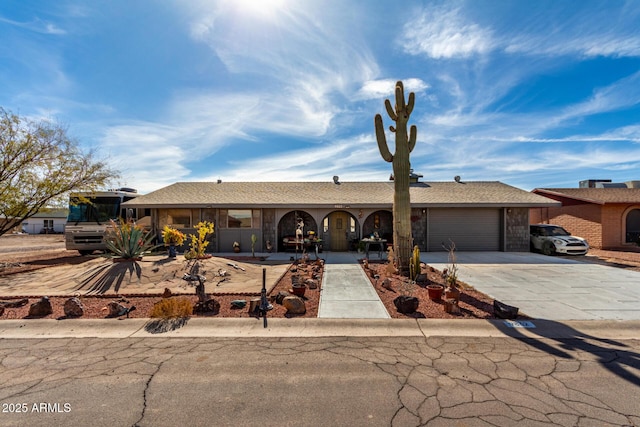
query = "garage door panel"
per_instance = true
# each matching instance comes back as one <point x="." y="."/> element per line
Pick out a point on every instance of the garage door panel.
<point x="469" y="229"/>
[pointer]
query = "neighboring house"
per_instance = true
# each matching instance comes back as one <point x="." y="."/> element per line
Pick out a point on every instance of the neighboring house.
<point x="608" y="216"/>
<point x="474" y="215"/>
<point x="46" y="222"/>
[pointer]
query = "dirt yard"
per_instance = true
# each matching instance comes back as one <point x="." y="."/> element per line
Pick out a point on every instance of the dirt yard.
<point x="34" y="266"/>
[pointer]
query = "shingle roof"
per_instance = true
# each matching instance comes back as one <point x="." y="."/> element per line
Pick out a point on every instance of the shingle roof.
<point x="323" y="194"/>
<point x="594" y="195"/>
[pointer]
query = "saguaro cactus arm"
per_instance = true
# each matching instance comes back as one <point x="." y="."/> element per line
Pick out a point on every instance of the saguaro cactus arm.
<point x="382" y="139"/>
<point x="390" y="111"/>
<point x="412" y="100"/>
<point x="413" y="134"/>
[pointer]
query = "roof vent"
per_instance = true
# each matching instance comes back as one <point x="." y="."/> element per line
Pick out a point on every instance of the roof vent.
<point x="336" y="179"/>
<point x="127" y="189"/>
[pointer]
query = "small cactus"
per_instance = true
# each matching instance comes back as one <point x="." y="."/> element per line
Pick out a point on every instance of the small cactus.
<point x="414" y="266"/>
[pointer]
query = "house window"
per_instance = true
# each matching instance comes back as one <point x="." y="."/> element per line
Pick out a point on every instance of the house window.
<point x="48" y="223"/>
<point x="179" y="218"/>
<point x="633" y="226"/>
<point x="240" y="218"/>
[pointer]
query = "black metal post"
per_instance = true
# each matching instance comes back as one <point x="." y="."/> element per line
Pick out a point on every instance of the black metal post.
<point x="264" y="304"/>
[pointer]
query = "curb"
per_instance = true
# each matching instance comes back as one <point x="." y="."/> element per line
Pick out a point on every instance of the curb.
<point x="309" y="328"/>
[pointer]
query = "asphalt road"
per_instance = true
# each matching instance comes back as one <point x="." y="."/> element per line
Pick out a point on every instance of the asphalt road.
<point x="380" y="381"/>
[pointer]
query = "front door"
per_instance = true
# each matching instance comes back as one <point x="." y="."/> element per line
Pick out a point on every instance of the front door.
<point x="338" y="227"/>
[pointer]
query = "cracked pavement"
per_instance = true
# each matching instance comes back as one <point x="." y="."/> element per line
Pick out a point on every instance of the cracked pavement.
<point x="378" y="381"/>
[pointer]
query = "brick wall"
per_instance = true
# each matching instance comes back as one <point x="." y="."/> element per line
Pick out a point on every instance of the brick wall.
<point x="614" y="225"/>
<point x="581" y="220"/>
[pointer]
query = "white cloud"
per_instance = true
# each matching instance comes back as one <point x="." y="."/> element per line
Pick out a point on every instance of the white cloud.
<point x="374" y="89"/>
<point x="37" y="26"/>
<point x="355" y="158"/>
<point x="147" y="154"/>
<point x="303" y="63"/>
<point x="445" y="33"/>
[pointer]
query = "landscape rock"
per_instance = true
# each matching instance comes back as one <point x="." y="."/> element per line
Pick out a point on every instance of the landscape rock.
<point x="73" y="307"/>
<point x="311" y="284"/>
<point x="386" y="283"/>
<point x="167" y="293"/>
<point x="209" y="306"/>
<point x="294" y="305"/>
<point x="41" y="308"/>
<point x="406" y="304"/>
<point x="116" y="309"/>
<point x="281" y="296"/>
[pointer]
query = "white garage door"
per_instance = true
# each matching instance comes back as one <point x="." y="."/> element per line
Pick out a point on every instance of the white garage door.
<point x="469" y="229"/>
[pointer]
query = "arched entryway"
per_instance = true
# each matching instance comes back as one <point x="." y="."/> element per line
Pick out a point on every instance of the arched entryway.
<point x="290" y="222"/>
<point x="380" y="222"/>
<point x="632" y="226"/>
<point x="340" y="231"/>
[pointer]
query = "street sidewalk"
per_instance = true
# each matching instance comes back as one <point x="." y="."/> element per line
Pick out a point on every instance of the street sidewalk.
<point x="279" y="328"/>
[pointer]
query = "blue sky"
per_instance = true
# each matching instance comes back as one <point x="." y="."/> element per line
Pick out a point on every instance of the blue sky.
<point x="533" y="94"/>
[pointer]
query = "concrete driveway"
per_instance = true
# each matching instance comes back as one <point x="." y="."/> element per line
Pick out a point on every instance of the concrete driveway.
<point x="553" y="288"/>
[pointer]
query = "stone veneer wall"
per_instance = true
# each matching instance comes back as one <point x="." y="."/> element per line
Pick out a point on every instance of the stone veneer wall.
<point x="268" y="228"/>
<point x="517" y="230"/>
<point x="419" y="228"/>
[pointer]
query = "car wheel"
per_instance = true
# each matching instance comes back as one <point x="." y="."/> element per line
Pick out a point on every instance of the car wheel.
<point x="531" y="247"/>
<point x="548" y="248"/>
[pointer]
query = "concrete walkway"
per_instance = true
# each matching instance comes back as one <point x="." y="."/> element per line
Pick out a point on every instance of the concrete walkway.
<point x="346" y="290"/>
<point x="549" y="287"/>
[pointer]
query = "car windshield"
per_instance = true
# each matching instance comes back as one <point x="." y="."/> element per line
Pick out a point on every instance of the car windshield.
<point x="554" y="231"/>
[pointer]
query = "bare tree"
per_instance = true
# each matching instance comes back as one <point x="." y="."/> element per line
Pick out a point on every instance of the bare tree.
<point x="39" y="166"/>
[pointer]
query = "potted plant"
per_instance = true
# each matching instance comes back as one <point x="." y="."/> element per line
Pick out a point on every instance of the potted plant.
<point x="450" y="275"/>
<point x="199" y="241"/>
<point x="172" y="238"/>
<point x="435" y="292"/>
<point x="236" y="247"/>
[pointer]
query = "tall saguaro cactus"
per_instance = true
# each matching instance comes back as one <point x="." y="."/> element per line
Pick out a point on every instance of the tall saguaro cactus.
<point x="402" y="240"/>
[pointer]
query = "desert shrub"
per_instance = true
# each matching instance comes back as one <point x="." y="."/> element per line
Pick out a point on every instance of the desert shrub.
<point x="170" y="308"/>
<point x="199" y="242"/>
<point x="128" y="240"/>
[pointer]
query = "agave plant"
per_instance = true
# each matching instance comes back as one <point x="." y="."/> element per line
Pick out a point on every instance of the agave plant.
<point x="128" y="241"/>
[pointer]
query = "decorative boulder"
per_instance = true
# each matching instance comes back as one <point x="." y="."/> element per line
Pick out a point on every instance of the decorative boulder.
<point x="116" y="309"/>
<point x="238" y="303"/>
<point x="73" y="307"/>
<point x="208" y="306"/>
<point x="504" y="311"/>
<point x="281" y="296"/>
<point x="311" y="284"/>
<point x="167" y="293"/>
<point x="41" y="308"/>
<point x="405" y="304"/>
<point x="294" y="305"/>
